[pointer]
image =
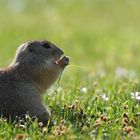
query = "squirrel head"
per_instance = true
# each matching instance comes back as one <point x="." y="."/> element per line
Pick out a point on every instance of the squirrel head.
<point x="41" y="60"/>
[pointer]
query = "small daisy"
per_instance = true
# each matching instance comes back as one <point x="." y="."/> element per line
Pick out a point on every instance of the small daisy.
<point x="104" y="97"/>
<point x="84" y="90"/>
<point x="135" y="95"/>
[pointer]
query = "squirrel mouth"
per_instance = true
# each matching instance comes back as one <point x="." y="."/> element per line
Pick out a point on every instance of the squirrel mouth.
<point x="63" y="61"/>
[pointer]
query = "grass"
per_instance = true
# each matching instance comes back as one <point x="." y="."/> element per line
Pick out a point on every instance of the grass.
<point x="102" y="38"/>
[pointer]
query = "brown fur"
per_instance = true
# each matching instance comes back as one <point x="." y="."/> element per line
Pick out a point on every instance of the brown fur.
<point x="32" y="72"/>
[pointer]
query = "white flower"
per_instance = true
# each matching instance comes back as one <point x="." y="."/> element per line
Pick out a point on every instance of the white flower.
<point x="135" y="95"/>
<point x="104" y="97"/>
<point x="124" y="73"/>
<point x="84" y="90"/>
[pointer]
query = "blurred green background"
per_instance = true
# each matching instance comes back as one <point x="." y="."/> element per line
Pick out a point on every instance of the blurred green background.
<point x="102" y="38"/>
<point x="98" y="35"/>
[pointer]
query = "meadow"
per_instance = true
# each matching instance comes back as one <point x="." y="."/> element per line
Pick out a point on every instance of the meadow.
<point x="99" y="93"/>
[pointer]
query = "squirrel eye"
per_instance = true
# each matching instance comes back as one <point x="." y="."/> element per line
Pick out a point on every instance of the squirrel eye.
<point x="30" y="48"/>
<point x="46" y="45"/>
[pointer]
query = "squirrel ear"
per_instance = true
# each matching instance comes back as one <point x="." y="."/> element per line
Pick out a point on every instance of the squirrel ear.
<point x="46" y="45"/>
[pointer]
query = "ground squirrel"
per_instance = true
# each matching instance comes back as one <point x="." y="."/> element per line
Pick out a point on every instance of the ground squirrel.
<point x="36" y="66"/>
